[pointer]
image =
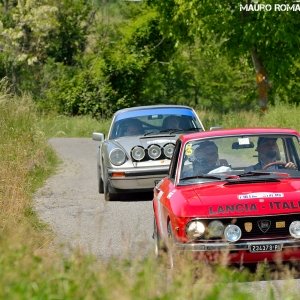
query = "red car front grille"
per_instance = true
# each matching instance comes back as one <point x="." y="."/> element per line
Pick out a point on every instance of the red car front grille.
<point x="268" y="227"/>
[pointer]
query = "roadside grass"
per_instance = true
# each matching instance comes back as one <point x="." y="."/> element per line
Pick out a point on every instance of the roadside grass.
<point x="33" y="267"/>
<point x="64" y="126"/>
<point x="281" y="115"/>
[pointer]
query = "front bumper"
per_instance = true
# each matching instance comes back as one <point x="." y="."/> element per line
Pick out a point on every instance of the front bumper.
<point x="239" y="253"/>
<point x="219" y="246"/>
<point x="142" y="179"/>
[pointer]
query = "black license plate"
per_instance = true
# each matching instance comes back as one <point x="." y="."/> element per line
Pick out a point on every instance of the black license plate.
<point x="265" y="248"/>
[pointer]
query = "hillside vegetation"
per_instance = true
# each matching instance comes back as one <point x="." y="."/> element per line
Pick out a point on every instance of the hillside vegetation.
<point x="93" y="57"/>
<point x="31" y="267"/>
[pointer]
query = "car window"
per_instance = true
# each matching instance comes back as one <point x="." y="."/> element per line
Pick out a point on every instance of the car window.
<point x="155" y="123"/>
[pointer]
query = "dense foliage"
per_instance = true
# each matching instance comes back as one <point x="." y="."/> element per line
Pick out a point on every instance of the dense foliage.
<point x="93" y="57"/>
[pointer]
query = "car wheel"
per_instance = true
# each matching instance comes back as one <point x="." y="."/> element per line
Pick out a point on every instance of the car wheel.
<point x="107" y="195"/>
<point x="100" y="180"/>
<point x="159" y="248"/>
<point x="101" y="186"/>
<point x="172" y="255"/>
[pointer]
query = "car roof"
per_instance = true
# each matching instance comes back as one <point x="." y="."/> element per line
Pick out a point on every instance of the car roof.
<point x="151" y="107"/>
<point x="237" y="131"/>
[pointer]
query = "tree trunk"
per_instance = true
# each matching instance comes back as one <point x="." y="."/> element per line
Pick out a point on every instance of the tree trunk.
<point x="261" y="80"/>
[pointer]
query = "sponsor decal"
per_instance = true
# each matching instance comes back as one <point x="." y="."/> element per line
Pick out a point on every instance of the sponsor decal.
<point x="244" y="141"/>
<point x="264" y="225"/>
<point x="161" y="141"/>
<point x="188" y="149"/>
<point x="260" y="195"/>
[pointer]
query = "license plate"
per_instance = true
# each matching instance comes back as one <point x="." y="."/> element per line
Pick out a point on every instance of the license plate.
<point x="265" y="248"/>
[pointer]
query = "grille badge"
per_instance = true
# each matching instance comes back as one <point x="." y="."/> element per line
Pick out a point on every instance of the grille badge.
<point x="248" y="226"/>
<point x="264" y="225"/>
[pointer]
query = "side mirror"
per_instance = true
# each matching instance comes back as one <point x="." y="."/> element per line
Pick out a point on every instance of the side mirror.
<point x="98" y="136"/>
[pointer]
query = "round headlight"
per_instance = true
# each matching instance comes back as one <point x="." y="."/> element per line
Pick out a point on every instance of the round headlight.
<point x="295" y="229"/>
<point x="138" y="153"/>
<point x="154" y="151"/>
<point x="215" y="229"/>
<point x="194" y="229"/>
<point x="232" y="233"/>
<point x="117" y="157"/>
<point x="168" y="150"/>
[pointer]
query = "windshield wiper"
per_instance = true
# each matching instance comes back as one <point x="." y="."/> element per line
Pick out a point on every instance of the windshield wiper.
<point x="248" y="174"/>
<point x="269" y="176"/>
<point x="202" y="176"/>
<point x="163" y="131"/>
<point x="171" y="130"/>
<point x="151" y="132"/>
<point x="174" y="130"/>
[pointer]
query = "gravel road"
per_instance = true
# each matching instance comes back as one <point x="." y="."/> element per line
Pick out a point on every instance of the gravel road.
<point x="80" y="217"/>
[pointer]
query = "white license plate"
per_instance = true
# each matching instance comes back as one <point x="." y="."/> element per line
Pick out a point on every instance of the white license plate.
<point x="265" y="247"/>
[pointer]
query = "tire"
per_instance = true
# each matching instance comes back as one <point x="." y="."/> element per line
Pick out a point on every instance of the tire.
<point x="100" y="186"/>
<point x="100" y="181"/>
<point x="172" y="255"/>
<point x="107" y="195"/>
<point x="159" y="249"/>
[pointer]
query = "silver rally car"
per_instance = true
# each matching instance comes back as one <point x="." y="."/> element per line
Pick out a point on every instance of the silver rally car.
<point x="137" y="151"/>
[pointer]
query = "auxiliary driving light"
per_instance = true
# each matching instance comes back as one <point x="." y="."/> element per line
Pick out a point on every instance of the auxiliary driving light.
<point x="295" y="229"/>
<point x="138" y="153"/>
<point x="232" y="233"/>
<point x="194" y="229"/>
<point x="154" y="151"/>
<point x="168" y="150"/>
<point x="215" y="229"/>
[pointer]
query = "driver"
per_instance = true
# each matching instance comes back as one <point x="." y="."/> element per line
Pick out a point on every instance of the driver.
<point x="206" y="158"/>
<point x="133" y="127"/>
<point x="268" y="152"/>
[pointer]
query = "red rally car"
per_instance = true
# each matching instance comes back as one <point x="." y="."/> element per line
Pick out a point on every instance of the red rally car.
<point x="232" y="191"/>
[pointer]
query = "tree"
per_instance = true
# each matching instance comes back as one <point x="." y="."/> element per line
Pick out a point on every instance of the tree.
<point x="269" y="36"/>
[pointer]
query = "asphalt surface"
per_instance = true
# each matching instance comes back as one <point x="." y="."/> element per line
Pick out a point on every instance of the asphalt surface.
<point x="81" y="218"/>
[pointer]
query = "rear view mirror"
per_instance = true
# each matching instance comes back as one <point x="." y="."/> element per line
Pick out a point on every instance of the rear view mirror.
<point x="237" y="145"/>
<point x="98" y="136"/>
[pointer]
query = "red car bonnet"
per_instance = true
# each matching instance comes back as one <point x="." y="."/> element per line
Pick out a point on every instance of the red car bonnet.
<point x="222" y="200"/>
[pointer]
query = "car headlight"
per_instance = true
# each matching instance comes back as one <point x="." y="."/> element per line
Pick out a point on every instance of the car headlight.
<point x="232" y="233"/>
<point x="117" y="157"/>
<point x="168" y="150"/>
<point x="138" y="153"/>
<point x="215" y="229"/>
<point x="194" y="229"/>
<point x="295" y="229"/>
<point x="154" y="151"/>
